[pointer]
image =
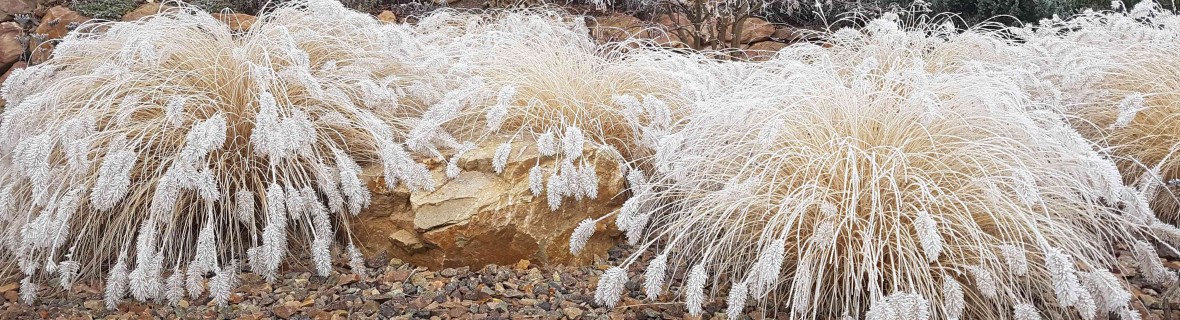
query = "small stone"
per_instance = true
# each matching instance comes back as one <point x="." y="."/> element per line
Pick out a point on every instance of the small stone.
<point x="94" y="304"/>
<point x="1172" y="264"/>
<point x="283" y="312"/>
<point x="571" y="312"/>
<point x="522" y="265"/>
<point x="347" y="279"/>
<point x="387" y="17"/>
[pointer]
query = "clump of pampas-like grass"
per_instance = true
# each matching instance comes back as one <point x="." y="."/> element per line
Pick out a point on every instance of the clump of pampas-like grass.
<point x="548" y="83"/>
<point x="1118" y="77"/>
<point x="876" y="184"/>
<point x="162" y="152"/>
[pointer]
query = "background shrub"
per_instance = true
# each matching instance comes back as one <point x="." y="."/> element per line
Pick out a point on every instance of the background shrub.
<point x="104" y="9"/>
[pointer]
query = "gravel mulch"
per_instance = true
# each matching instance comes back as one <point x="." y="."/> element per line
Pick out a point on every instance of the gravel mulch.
<point x="396" y="290"/>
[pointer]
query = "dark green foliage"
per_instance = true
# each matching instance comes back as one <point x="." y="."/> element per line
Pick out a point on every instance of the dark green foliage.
<point x="254" y="6"/>
<point x="974" y="11"/>
<point x="104" y="9"/>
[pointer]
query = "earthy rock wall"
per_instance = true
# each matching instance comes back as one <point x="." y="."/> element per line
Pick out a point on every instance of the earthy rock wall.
<point x="481" y="217"/>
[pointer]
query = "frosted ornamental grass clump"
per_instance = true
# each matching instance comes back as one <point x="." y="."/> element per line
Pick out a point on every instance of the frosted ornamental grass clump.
<point x="163" y="153"/>
<point x="1116" y="73"/>
<point x="550" y="86"/>
<point x="883" y="175"/>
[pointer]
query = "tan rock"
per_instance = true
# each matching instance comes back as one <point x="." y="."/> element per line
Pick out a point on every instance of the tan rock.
<point x="482" y="218"/>
<point x="616" y="27"/>
<point x="764" y="50"/>
<point x="387" y="17"/>
<point x="673" y="21"/>
<point x="57" y="20"/>
<point x="10" y="47"/>
<point x="787" y="34"/>
<point x="9" y="8"/>
<point x="144" y="10"/>
<point x="407" y="240"/>
<point x="239" y="22"/>
<point x="753" y="30"/>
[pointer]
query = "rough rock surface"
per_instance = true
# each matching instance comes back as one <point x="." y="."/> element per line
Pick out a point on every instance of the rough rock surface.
<point x="57" y="21"/>
<point x="9" y="8"/>
<point x="752" y="30"/>
<point x="764" y="50"/>
<point x="481" y="217"/>
<point x="10" y="47"/>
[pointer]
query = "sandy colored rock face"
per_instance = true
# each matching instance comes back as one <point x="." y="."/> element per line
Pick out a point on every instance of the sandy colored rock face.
<point x="481" y="217"/>
<point x="753" y="30"/>
<point x="9" y="8"/>
<point x="10" y="48"/>
<point x="764" y="50"/>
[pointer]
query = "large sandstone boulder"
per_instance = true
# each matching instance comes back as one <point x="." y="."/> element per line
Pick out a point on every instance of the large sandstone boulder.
<point x="753" y="30"/>
<point x="481" y="217"/>
<point x="9" y="8"/>
<point x="764" y="50"/>
<point x="10" y="47"/>
<point x="664" y="32"/>
<point x="57" y="22"/>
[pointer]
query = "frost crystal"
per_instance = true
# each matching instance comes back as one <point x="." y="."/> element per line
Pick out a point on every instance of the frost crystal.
<point x="1127" y="108"/>
<point x="928" y="235"/>
<point x="356" y="261"/>
<point x="572" y="143"/>
<point x="953" y="301"/>
<point x="350" y="182"/>
<point x="900" y="306"/>
<point x="114" y="179"/>
<point x="581" y="235"/>
<point x="244" y="205"/>
<point x="1065" y="281"/>
<point x="496" y="115"/>
<point x="116" y="285"/>
<point x="223" y="283"/>
<point x="1025" y="311"/>
<point x="1015" y="258"/>
<point x="653" y="277"/>
<point x="610" y="287"/>
<point x="28" y="290"/>
<point x="694" y="296"/>
<point x="737" y="300"/>
<point x="1149" y="264"/>
<point x="1108" y="292"/>
<point x="500" y="159"/>
<point x="546" y="144"/>
<point x="984" y="281"/>
<point x="766" y="270"/>
<point x="536" y="180"/>
<point x="554" y="190"/>
<point x="174" y="287"/>
<point x="68" y="272"/>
